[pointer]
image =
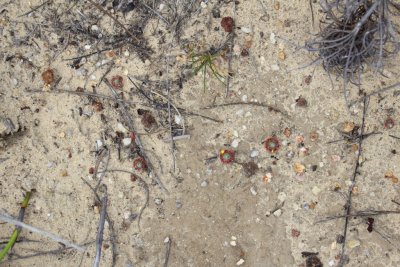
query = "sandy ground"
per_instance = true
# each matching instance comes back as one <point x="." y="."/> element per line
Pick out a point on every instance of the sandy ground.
<point x="215" y="214"/>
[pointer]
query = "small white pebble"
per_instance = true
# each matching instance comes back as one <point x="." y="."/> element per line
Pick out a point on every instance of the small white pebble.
<point x="253" y="191"/>
<point x="254" y="153"/>
<point x="331" y="263"/>
<point x="272" y="38"/>
<point x="126" y="142"/>
<point x="158" y="201"/>
<point x="278" y="213"/>
<point x="240" y="262"/>
<point x="246" y="29"/>
<point x="120" y="194"/>
<point x="121" y="128"/>
<point x="94" y="28"/>
<point x="235" y="143"/>
<point x="275" y="67"/>
<point x="166" y="240"/>
<point x="244" y="98"/>
<point x="87" y="47"/>
<point x="233" y="243"/>
<point x="127" y="214"/>
<point x="233" y="237"/>
<point x="204" y="184"/>
<point x="316" y="190"/>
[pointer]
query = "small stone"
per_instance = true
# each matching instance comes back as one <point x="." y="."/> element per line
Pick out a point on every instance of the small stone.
<point x="235" y="143"/>
<point x="240" y="262"/>
<point x="281" y="55"/>
<point x="333" y="245"/>
<point x="94" y="28"/>
<point x="126" y="142"/>
<point x="158" y="201"/>
<point x="96" y="209"/>
<point x="299" y="168"/>
<point x="353" y="243"/>
<point x="313" y="136"/>
<point x="253" y="191"/>
<point x="246" y="29"/>
<point x="277" y="213"/>
<point x="166" y="240"/>
<point x="244" y="98"/>
<point x="127" y="215"/>
<point x="121" y="128"/>
<point x="315" y="190"/>
<point x="233" y="237"/>
<point x="275" y="67"/>
<point x="204" y="184"/>
<point x="348" y="127"/>
<point x="331" y="263"/>
<point x="233" y="243"/>
<point x="267" y="177"/>
<point x="88" y="46"/>
<point x="254" y="153"/>
<point x="287" y="132"/>
<point x="272" y="38"/>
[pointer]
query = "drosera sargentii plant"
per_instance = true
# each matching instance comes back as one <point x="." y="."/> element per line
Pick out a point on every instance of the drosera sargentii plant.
<point x="227" y="156"/>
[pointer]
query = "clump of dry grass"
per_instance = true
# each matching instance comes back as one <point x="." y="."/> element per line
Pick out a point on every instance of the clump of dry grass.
<point x="356" y="33"/>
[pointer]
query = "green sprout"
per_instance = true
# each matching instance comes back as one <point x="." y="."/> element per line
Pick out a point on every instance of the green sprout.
<point x="202" y="62"/>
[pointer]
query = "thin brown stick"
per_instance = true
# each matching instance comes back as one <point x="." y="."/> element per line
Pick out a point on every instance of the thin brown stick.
<point x="110" y="225"/>
<point x="35" y="8"/>
<point x="99" y="7"/>
<point x="270" y="108"/>
<point x="353" y="183"/>
<point x="366" y="213"/>
<point x="146" y="188"/>
<point x="100" y="232"/>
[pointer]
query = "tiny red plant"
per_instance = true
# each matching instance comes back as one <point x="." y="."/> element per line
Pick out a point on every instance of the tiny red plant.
<point x="389" y="123"/>
<point x="272" y="144"/>
<point x="227" y="156"/>
<point x="228" y="24"/>
<point x="139" y="164"/>
<point x="117" y="82"/>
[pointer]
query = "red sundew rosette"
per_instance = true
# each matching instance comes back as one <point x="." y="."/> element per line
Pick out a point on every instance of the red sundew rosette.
<point x="117" y="82"/>
<point x="139" y="164"/>
<point x="227" y="156"/>
<point x="272" y="144"/>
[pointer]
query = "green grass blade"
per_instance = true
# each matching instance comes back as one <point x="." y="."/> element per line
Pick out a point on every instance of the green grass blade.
<point x="17" y="230"/>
